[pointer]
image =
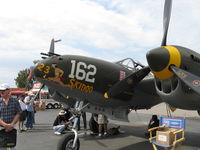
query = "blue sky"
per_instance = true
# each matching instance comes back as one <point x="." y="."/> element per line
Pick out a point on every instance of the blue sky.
<point x="105" y="29"/>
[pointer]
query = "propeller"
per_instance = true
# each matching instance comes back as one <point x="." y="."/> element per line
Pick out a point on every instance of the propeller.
<point x="161" y="58"/>
<point x="129" y="82"/>
<point x="165" y="61"/>
<point x="166" y="20"/>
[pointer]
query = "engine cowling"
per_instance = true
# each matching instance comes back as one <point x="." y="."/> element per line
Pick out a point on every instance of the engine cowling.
<point x="174" y="92"/>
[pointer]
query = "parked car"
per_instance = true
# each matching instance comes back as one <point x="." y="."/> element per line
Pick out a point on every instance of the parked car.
<point x="51" y="104"/>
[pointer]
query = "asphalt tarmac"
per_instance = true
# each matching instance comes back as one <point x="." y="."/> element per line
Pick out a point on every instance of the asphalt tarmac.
<point x="42" y="137"/>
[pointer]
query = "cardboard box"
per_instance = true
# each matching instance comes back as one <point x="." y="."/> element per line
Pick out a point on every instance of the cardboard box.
<point x="36" y="105"/>
<point x="164" y="136"/>
<point x="42" y="105"/>
<point x="39" y="105"/>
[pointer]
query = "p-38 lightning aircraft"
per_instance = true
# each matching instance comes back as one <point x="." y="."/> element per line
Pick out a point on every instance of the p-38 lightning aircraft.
<point x="102" y="87"/>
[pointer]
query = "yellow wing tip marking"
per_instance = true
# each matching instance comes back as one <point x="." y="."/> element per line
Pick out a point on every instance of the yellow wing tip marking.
<point x="106" y="95"/>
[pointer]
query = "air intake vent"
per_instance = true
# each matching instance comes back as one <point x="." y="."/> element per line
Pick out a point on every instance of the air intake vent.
<point x="166" y="86"/>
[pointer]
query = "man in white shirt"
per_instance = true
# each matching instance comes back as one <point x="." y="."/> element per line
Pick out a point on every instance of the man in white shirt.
<point x="23" y="114"/>
<point x="30" y="110"/>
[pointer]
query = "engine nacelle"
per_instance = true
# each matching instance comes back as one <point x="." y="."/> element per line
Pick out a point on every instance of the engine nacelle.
<point x="177" y="94"/>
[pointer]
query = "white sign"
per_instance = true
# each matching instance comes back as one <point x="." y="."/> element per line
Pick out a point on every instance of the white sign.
<point x="162" y="138"/>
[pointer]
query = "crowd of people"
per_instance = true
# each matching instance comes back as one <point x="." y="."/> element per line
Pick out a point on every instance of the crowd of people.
<point x="22" y="110"/>
<point x="97" y="124"/>
<point x="27" y="115"/>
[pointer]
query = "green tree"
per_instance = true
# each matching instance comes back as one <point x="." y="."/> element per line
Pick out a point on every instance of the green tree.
<point x="21" y="80"/>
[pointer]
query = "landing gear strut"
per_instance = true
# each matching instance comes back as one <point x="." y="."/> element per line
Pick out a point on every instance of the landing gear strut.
<point x="71" y="141"/>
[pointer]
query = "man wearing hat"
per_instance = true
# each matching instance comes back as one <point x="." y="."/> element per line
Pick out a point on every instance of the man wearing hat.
<point x="61" y="122"/>
<point x="9" y="109"/>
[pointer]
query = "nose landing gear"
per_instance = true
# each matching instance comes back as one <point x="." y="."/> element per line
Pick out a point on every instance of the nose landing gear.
<point x="67" y="141"/>
<point x="70" y="141"/>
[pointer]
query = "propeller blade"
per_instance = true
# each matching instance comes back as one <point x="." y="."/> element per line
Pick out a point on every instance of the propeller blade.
<point x="129" y="82"/>
<point x="166" y="20"/>
<point x="38" y="92"/>
<point x="51" y="50"/>
<point x="188" y="78"/>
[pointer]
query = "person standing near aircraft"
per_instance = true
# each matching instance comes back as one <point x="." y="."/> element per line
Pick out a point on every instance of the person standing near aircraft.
<point x="30" y="111"/>
<point x="83" y="114"/>
<point x="23" y="114"/>
<point x="93" y="124"/>
<point x="9" y="109"/>
<point x="102" y="121"/>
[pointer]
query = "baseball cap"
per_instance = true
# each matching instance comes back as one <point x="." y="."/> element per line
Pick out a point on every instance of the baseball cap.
<point x="4" y="86"/>
<point x="23" y="95"/>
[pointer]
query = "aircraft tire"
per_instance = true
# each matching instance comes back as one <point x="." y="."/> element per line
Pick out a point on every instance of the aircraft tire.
<point x="66" y="142"/>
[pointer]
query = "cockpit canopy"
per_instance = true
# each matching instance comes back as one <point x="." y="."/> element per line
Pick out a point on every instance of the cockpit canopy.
<point x="130" y="64"/>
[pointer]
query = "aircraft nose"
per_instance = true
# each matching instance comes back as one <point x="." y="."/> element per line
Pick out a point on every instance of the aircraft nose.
<point x="40" y="70"/>
<point x="158" y="59"/>
<point x="36" y="72"/>
<point x="44" y="69"/>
